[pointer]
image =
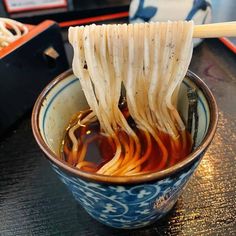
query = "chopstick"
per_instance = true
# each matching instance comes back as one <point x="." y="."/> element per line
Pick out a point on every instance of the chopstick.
<point x="216" y="30"/>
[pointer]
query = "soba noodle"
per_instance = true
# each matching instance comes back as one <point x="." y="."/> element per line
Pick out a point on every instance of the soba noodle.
<point x="150" y="61"/>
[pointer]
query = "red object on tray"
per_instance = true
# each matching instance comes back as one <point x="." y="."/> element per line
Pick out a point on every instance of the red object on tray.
<point x="94" y="19"/>
<point x="26" y="66"/>
<point x="229" y="43"/>
<point x="33" y="32"/>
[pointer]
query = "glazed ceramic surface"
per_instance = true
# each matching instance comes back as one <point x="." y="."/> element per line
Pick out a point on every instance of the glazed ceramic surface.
<point x="127" y="206"/>
<point x="118" y="202"/>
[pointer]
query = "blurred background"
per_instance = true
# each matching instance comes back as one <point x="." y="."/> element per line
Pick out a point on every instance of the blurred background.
<point x="223" y="10"/>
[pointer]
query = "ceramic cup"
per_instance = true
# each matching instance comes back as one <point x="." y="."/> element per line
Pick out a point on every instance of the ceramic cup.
<point x="121" y="202"/>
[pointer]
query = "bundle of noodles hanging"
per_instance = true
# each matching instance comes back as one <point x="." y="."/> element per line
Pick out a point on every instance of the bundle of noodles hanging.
<point x="139" y="130"/>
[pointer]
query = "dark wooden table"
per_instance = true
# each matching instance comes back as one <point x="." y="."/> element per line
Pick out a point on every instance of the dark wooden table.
<point x="34" y="202"/>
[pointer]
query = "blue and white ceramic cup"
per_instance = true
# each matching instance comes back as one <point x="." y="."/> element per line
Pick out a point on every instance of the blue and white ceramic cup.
<point x="199" y="11"/>
<point x="121" y="202"/>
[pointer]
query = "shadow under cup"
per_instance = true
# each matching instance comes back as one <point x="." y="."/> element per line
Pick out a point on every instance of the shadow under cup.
<point x="122" y="202"/>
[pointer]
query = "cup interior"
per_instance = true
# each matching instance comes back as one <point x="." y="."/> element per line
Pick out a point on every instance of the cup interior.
<point x="64" y="97"/>
<point x="61" y="102"/>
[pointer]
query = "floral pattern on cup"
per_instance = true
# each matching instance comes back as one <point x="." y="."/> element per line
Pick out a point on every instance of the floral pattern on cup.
<point x="127" y="206"/>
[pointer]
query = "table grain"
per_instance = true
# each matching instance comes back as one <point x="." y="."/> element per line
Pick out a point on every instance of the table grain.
<point x="34" y="202"/>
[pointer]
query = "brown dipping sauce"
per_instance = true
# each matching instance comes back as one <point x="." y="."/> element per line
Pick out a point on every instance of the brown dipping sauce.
<point x="101" y="148"/>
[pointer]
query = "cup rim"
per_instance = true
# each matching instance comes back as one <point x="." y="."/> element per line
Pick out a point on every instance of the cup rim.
<point x="93" y="177"/>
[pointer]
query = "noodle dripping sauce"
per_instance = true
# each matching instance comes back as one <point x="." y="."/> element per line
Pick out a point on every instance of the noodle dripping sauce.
<point x="144" y="132"/>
